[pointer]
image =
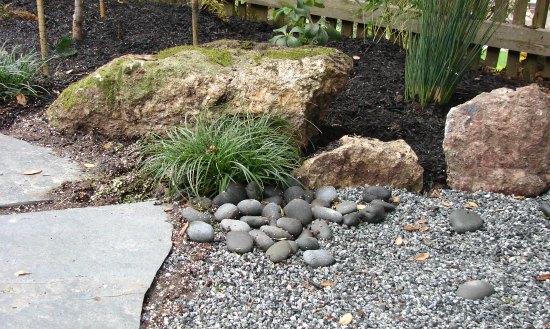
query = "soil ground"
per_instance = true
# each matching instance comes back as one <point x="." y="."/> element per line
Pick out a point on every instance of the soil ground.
<point x="372" y="105"/>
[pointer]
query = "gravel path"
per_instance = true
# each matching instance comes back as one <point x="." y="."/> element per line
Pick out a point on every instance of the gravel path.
<point x="377" y="281"/>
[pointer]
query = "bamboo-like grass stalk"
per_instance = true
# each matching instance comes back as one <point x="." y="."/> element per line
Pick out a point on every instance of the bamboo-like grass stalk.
<point x="42" y="35"/>
<point x="438" y="56"/>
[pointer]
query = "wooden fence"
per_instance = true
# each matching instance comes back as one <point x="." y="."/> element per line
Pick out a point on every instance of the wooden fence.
<point x="534" y="40"/>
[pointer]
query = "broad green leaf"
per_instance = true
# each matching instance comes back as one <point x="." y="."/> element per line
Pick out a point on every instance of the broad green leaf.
<point x="293" y="42"/>
<point x="297" y="29"/>
<point x="332" y="33"/>
<point x="281" y="29"/>
<point x="311" y="30"/>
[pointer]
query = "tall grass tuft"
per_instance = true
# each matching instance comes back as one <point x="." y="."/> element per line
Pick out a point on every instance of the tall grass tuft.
<point x="204" y="159"/>
<point x="18" y="72"/>
<point x="438" y="56"/>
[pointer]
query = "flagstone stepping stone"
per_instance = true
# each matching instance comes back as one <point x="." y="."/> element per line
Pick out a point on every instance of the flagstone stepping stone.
<point x="376" y="192"/>
<point x="239" y="242"/>
<point x="318" y="258"/>
<point x="279" y="251"/>
<point x="326" y="193"/>
<point x="88" y="267"/>
<point x="476" y="289"/>
<point x="29" y="172"/>
<point x="464" y="220"/>
<point x="200" y="232"/>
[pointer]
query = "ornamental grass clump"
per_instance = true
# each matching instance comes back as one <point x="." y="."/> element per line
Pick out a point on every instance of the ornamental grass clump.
<point x="204" y="159"/>
<point x="18" y="72"/>
<point x="439" y="55"/>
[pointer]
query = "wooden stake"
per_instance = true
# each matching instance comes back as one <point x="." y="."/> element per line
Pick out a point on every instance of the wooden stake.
<point x="195" y="21"/>
<point x="42" y="34"/>
<point x="102" y="8"/>
<point x="78" y="18"/>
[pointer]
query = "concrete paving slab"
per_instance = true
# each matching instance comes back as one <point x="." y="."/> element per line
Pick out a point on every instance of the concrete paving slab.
<point x="89" y="267"/>
<point x="17" y="157"/>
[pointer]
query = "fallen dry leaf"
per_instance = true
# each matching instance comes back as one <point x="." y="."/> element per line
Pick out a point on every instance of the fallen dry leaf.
<point x="445" y="203"/>
<point x="422" y="256"/>
<point x="519" y="197"/>
<point x="422" y="221"/>
<point x="108" y="146"/>
<point x="346" y="319"/>
<point x="184" y="228"/>
<point x="399" y="241"/>
<point x="89" y="165"/>
<point x="21" y="273"/>
<point x="361" y="206"/>
<point x="396" y="199"/>
<point x="21" y="99"/>
<point x="436" y="194"/>
<point x="356" y="57"/>
<point x="411" y="228"/>
<point x="327" y="284"/>
<point x="543" y="277"/>
<point x="472" y="204"/>
<point x="32" y="172"/>
<point x="424" y="229"/>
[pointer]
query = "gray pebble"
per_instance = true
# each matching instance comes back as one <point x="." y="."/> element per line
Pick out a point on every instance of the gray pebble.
<point x="200" y="232"/>
<point x="275" y="232"/>
<point x="255" y="221"/>
<point x="545" y="208"/>
<point x="476" y="289"/>
<point x="227" y="210"/>
<point x="250" y="207"/>
<point x="346" y="207"/>
<point x="328" y="214"/>
<point x="464" y="220"/>
<point x="320" y="229"/>
<point x="388" y="207"/>
<point x="262" y="240"/>
<point x="293" y="246"/>
<point x="308" y="243"/>
<point x="272" y="211"/>
<point x="271" y="191"/>
<point x="352" y="219"/>
<point x="376" y="192"/>
<point x="293" y="192"/>
<point x="254" y="191"/>
<point x="221" y="199"/>
<point x="193" y="215"/>
<point x="309" y="196"/>
<point x="236" y="192"/>
<point x="300" y="210"/>
<point x="305" y="234"/>
<point x="373" y="214"/>
<point x="291" y="225"/>
<point x="326" y="193"/>
<point x="239" y="242"/>
<point x="228" y="224"/>
<point x="275" y="199"/>
<point x="318" y="258"/>
<point x="279" y="251"/>
<point x="320" y="203"/>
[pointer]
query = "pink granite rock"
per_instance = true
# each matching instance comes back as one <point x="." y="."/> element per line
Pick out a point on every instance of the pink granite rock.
<point x="500" y="142"/>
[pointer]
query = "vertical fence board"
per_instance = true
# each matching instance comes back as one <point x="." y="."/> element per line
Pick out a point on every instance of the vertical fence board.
<point x="257" y="13"/>
<point x="229" y="8"/>
<point x="491" y="58"/>
<point x="513" y="66"/>
<point x="534" y="65"/>
<point x="347" y="28"/>
<point x="241" y="10"/>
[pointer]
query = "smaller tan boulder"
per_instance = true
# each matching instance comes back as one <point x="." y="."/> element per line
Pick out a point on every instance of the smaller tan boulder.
<point x="360" y="161"/>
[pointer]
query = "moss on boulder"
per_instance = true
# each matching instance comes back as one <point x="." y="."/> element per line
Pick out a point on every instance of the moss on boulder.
<point x="136" y="94"/>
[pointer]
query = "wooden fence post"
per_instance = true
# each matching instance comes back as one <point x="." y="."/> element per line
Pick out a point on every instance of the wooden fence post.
<point x="257" y="13"/>
<point x="347" y="29"/>
<point x="501" y="8"/>
<point x="229" y="8"/>
<point x="513" y="65"/>
<point x="535" y="65"/>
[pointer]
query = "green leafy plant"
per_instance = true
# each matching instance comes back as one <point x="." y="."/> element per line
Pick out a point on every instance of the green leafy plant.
<point x="439" y="55"/>
<point x="303" y="30"/>
<point x="64" y="47"/>
<point x="205" y="158"/>
<point x="18" y="71"/>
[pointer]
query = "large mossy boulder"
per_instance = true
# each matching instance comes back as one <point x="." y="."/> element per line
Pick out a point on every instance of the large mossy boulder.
<point x="135" y="94"/>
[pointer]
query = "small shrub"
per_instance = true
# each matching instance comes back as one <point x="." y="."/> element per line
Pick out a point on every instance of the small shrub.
<point x="204" y="159"/>
<point x="303" y="30"/>
<point x="18" y="72"/>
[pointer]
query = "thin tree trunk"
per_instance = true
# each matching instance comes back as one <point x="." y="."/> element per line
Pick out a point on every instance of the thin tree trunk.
<point x="102" y="8"/>
<point x="195" y="21"/>
<point x="42" y="34"/>
<point x="78" y="18"/>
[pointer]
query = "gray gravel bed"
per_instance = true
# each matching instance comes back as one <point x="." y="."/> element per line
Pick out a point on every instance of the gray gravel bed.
<point x="380" y="283"/>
